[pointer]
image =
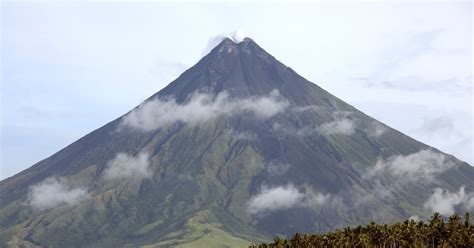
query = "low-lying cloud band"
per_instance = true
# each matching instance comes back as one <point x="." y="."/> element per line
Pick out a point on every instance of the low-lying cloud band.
<point x="200" y="108"/>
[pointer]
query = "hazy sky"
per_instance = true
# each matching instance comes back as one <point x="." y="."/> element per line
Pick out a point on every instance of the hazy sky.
<point x="69" y="68"/>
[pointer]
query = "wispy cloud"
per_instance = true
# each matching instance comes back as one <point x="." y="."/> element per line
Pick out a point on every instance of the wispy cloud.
<point x="242" y="135"/>
<point x="424" y="164"/>
<point x="341" y="124"/>
<point x="127" y="166"/>
<point x="276" y="198"/>
<point x="275" y="168"/>
<point x="437" y="123"/>
<point x="375" y="130"/>
<point x="271" y="199"/>
<point x="53" y="192"/>
<point x="200" y="108"/>
<point x="452" y="85"/>
<point x="236" y="36"/>
<point x="379" y="191"/>
<point x="450" y="132"/>
<point x="446" y="202"/>
<point x="318" y="199"/>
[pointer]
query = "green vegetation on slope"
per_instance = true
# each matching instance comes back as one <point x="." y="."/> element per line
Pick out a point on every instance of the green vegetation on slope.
<point x="455" y="232"/>
<point x="202" y="230"/>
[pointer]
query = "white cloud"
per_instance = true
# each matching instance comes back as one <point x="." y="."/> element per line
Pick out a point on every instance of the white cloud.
<point x="318" y="199"/>
<point x="445" y="202"/>
<point x="242" y="135"/>
<point x="277" y="169"/>
<point x="285" y="197"/>
<point x="53" y="192"/>
<point x="128" y="166"/>
<point x="271" y="199"/>
<point x="368" y="196"/>
<point x="376" y="130"/>
<point x="342" y="126"/>
<point x="382" y="191"/>
<point x="424" y="164"/>
<point x="307" y="108"/>
<point x="263" y="107"/>
<point x="200" y="108"/>
<point x="470" y="203"/>
<point x="285" y="130"/>
<point x="436" y="124"/>
<point x="236" y="36"/>
<point x="415" y="84"/>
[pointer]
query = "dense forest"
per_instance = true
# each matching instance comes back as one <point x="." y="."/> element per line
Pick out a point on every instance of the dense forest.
<point x="437" y="232"/>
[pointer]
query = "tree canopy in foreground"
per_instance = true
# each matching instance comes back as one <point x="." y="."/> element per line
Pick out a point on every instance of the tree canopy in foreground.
<point x="437" y="232"/>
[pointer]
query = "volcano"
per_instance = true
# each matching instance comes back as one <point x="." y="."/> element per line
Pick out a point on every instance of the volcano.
<point x="238" y="149"/>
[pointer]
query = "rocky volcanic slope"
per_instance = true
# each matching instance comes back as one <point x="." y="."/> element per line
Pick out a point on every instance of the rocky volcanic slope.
<point x="237" y="149"/>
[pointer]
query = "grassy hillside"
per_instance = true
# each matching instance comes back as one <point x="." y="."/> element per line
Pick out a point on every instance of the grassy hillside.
<point x="200" y="231"/>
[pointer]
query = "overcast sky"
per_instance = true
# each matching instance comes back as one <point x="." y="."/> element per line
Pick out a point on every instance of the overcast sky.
<point x="69" y="68"/>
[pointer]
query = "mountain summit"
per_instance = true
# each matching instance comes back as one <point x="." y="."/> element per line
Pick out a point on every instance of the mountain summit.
<point x="242" y="69"/>
<point x="238" y="149"/>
